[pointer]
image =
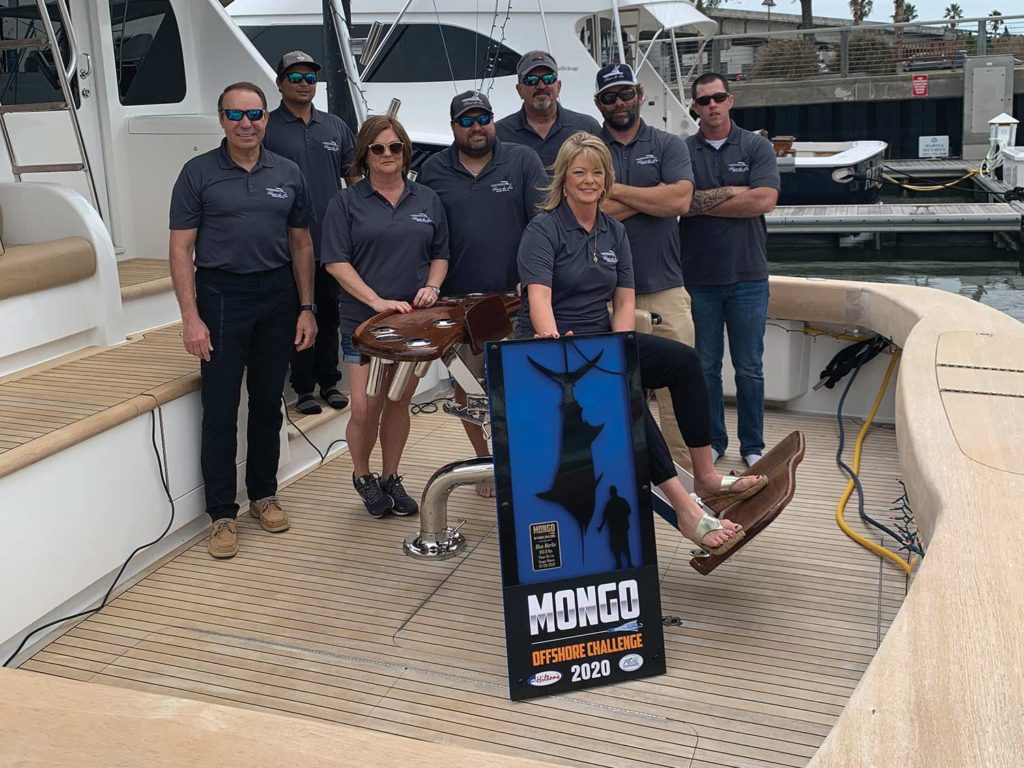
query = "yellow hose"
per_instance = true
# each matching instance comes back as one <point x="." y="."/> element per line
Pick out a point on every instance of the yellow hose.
<point x="841" y="506"/>
<point x="931" y="187"/>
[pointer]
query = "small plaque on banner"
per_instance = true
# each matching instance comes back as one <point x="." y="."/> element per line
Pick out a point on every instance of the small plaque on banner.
<point x="578" y="561"/>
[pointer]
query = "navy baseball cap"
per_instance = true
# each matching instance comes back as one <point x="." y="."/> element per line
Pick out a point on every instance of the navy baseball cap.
<point x="614" y="74"/>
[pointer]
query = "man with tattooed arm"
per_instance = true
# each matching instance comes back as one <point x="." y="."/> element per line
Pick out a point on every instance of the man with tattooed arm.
<point x="724" y="256"/>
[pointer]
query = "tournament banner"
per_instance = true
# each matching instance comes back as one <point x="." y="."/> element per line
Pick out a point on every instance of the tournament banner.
<point x="578" y="562"/>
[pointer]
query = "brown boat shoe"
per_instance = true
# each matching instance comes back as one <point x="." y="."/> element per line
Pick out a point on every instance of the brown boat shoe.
<point x="223" y="538"/>
<point x="268" y="511"/>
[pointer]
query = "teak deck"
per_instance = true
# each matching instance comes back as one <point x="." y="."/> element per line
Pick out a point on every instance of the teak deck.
<point x="331" y="621"/>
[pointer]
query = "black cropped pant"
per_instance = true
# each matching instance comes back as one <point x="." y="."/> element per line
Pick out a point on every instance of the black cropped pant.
<point x="668" y="364"/>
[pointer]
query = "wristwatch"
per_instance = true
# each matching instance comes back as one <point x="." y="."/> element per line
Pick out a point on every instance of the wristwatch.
<point x="309" y="307"/>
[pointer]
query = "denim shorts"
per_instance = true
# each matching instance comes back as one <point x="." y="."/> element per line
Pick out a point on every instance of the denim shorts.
<point x="349" y="353"/>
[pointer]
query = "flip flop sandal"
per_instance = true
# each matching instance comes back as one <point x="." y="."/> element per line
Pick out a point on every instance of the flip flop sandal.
<point x="334" y="398"/>
<point x="709" y="524"/>
<point x="725" y="492"/>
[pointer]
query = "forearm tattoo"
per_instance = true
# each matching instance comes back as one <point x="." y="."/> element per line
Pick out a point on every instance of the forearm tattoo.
<point x="706" y="199"/>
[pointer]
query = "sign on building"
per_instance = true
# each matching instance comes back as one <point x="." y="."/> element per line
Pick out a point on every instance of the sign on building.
<point x="933" y="146"/>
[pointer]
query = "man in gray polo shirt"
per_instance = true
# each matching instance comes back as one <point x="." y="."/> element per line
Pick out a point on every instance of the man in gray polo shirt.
<point x="490" y="190"/>
<point x="725" y="258"/>
<point x="323" y="147"/>
<point x="245" y="301"/>
<point x="542" y="124"/>
<point x="653" y="186"/>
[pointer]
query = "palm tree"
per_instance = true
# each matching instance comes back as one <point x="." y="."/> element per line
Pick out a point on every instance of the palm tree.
<point x="903" y="11"/>
<point x="861" y="9"/>
<point x="953" y="12"/>
<point x="806" y="15"/>
<point x="995" y="22"/>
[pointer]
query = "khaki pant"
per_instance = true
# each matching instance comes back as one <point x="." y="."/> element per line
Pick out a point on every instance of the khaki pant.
<point x="676" y="323"/>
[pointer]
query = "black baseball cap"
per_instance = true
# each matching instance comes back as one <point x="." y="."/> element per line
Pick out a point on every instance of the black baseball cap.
<point x="292" y="58"/>
<point x="614" y="74"/>
<point x="532" y="60"/>
<point x="468" y="100"/>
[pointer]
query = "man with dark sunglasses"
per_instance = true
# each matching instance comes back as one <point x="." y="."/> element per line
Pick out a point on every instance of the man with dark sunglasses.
<point x="246" y="301"/>
<point x="542" y="124"/>
<point x="725" y="258"/>
<point x="653" y="186"/>
<point x="323" y="147"/>
<point x="490" y="190"/>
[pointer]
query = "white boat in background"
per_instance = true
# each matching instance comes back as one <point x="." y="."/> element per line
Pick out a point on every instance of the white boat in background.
<point x="246" y="661"/>
<point x="432" y="54"/>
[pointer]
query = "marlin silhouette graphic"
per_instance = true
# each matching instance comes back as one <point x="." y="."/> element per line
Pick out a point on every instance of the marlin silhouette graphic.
<point x="575" y="484"/>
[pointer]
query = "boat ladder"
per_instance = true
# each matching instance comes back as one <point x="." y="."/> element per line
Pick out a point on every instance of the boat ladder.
<point x="65" y="74"/>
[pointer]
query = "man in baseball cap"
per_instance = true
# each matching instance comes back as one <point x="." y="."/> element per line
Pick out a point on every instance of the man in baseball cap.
<point x="653" y="186"/>
<point x="490" y="190"/>
<point x="323" y="147"/>
<point x="542" y="124"/>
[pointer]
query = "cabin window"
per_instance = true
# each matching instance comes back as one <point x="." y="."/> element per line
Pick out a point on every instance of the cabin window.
<point x="273" y="42"/>
<point x="148" y="62"/>
<point x="29" y="75"/>
<point x="438" y="53"/>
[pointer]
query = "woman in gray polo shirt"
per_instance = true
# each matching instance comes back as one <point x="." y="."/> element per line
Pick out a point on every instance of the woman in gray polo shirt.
<point x="385" y="240"/>
<point x="573" y="261"/>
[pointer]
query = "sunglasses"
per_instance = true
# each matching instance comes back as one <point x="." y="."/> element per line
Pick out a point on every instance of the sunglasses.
<point x="395" y="148"/>
<point x="236" y="115"/>
<point x="547" y="79"/>
<point x="466" y="121"/>
<point x="297" y="77"/>
<point x="608" y="97"/>
<point x="703" y="101"/>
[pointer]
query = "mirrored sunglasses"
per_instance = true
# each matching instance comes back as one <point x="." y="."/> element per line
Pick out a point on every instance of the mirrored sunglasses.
<point x="395" y="148"/>
<point x="703" y="101"/>
<point x="236" y="115"/>
<point x="547" y="79"/>
<point x="466" y="121"/>
<point x="297" y="77"/>
<point x="608" y="97"/>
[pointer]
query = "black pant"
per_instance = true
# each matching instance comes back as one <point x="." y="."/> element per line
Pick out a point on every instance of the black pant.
<point x="251" y="318"/>
<point x="319" y="365"/>
<point x="676" y="367"/>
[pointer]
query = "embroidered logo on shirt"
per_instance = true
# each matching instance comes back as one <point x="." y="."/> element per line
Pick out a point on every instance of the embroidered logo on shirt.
<point x="739" y="166"/>
<point x="422" y="218"/>
<point x="331" y="146"/>
<point x="647" y="160"/>
<point x="502" y="186"/>
<point x="609" y="257"/>
<point x="277" y="192"/>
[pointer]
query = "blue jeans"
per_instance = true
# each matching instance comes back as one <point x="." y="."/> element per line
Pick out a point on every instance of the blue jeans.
<point x="741" y="310"/>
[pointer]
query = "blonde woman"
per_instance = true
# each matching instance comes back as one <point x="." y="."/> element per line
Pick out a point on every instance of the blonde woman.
<point x="573" y="261"/>
<point x="385" y="240"/>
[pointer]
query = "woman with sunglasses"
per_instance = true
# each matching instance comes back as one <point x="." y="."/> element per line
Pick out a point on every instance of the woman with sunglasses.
<point x="385" y="240"/>
<point x="573" y="260"/>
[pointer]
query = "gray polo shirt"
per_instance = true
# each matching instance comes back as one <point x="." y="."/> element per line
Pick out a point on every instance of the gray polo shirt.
<point x="242" y="217"/>
<point x="582" y="268"/>
<point x="718" y="250"/>
<point x="486" y="215"/>
<point x="516" y="130"/>
<point x="390" y="247"/>
<point x="323" y="150"/>
<point x="653" y="157"/>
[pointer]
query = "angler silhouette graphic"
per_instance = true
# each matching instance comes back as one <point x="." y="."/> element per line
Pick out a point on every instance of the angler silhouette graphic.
<point x="575" y="485"/>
